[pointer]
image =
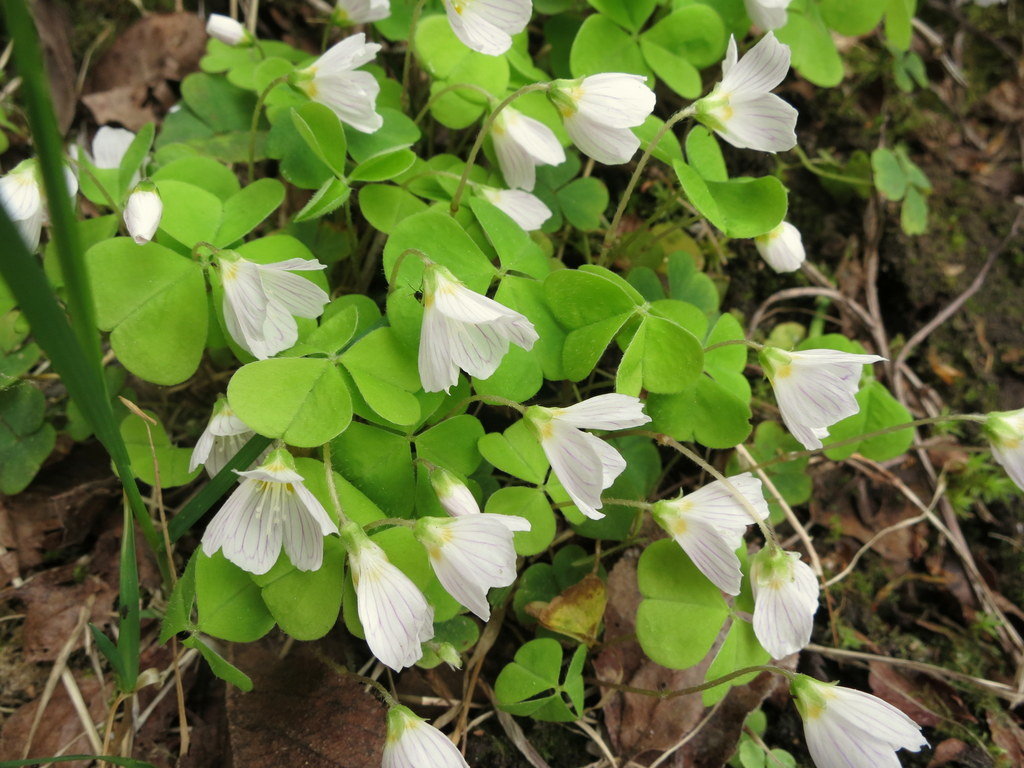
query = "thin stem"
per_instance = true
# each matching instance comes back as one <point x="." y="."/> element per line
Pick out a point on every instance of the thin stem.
<point x="87" y="171"/>
<point x="344" y="671"/>
<point x="484" y="130"/>
<point x="734" y="342"/>
<point x="417" y="12"/>
<point x="807" y="163"/>
<point x="399" y="521"/>
<point x="254" y="126"/>
<point x="332" y="488"/>
<point x="672" y="694"/>
<point x="609" y="236"/>
<point x="627" y="503"/>
<point x="393" y="277"/>
<point x="448" y="89"/>
<point x="490" y="400"/>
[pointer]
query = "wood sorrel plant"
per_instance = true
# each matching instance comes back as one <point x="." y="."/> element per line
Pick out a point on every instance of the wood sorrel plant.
<point x="419" y="390"/>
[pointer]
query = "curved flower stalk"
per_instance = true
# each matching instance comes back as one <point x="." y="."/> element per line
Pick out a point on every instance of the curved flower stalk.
<point x="742" y="109"/>
<point x="709" y="525"/>
<point x="785" y="601"/>
<point x="23" y="197"/>
<point x="396" y="617"/>
<point x="464" y="329"/>
<point x="271" y="506"/>
<point x="526" y="210"/>
<point x="224" y="436"/>
<point x="261" y="299"/>
<point x="471" y="553"/>
<point x="782" y="248"/>
<point x="583" y="463"/>
<point x="815" y="388"/>
<point x="1005" y="432"/>
<point x="487" y="26"/>
<point x="351" y="12"/>
<point x="768" y="14"/>
<point x="599" y="111"/>
<point x="412" y="742"/>
<point x="228" y="30"/>
<point x="333" y="81"/>
<point x="521" y="144"/>
<point x="845" y="728"/>
<point x="143" y="212"/>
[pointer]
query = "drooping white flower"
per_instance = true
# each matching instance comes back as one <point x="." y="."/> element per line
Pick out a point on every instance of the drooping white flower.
<point x="1005" y="432"/>
<point x="261" y="299"/>
<point x="452" y="493"/>
<point x="229" y="31"/>
<point x="412" y="742"/>
<point x="782" y="248"/>
<point x="396" y="617"/>
<point x="709" y="525"/>
<point x="785" y="601"/>
<point x="815" y="388"/>
<point x="463" y="329"/>
<point x="583" y="463"/>
<point x="521" y="144"/>
<point x="487" y="26"/>
<point x="526" y="210"/>
<point x="352" y="12"/>
<point x="472" y="553"/>
<point x="846" y="728"/>
<point x="742" y="109"/>
<point x="24" y="199"/>
<point x="224" y="436"/>
<point x="109" y="146"/>
<point x="333" y="81"/>
<point x="768" y="14"/>
<point x="271" y="506"/>
<point x="600" y="110"/>
<point x="143" y="212"/>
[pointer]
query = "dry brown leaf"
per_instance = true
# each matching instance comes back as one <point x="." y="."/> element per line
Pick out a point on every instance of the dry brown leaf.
<point x="54" y="25"/>
<point x="1008" y="735"/>
<point x="577" y="612"/>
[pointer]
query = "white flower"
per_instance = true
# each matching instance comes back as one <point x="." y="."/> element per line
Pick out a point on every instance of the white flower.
<point x="24" y="200"/>
<point x="709" y="525"/>
<point x="814" y="389"/>
<point x="487" y="26"/>
<point x="270" y="506"/>
<point x="785" y="601"/>
<point x="845" y="728"/>
<point x="261" y="299"/>
<point x="782" y="248"/>
<point x="742" y="109"/>
<point x="224" y="436"/>
<point x="583" y="463"/>
<point x="109" y="146"/>
<point x="1005" y="432"/>
<point x="472" y="553"/>
<point x="332" y="81"/>
<point x="521" y="144"/>
<point x="526" y="210"/>
<point x="452" y="493"/>
<point x="767" y="14"/>
<point x="353" y="12"/>
<point x="463" y="329"/>
<point x="600" y="110"/>
<point x="229" y="31"/>
<point x="143" y="211"/>
<point x="413" y="743"/>
<point x="396" y="617"/>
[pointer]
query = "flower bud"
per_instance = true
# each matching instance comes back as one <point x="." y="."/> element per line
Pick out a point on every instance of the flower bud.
<point x="143" y="211"/>
<point x="229" y="31"/>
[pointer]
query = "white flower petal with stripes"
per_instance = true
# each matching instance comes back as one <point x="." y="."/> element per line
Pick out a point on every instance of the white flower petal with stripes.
<point x="782" y="248"/>
<point x="463" y="329"/>
<point x="815" y="388"/>
<point x="353" y="12"/>
<point x="332" y="81"/>
<point x="143" y="212"/>
<point x="521" y="144"/>
<point x="785" y="601"/>
<point x="583" y="463"/>
<point x="270" y="507"/>
<point x="396" y="617"/>
<point x="600" y="110"/>
<point x="452" y="493"/>
<point x="742" y="109"/>
<point x="412" y="742"/>
<point x="261" y="301"/>
<point x="768" y="14"/>
<point x="226" y="29"/>
<point x="846" y="728"/>
<point x="1005" y="432"/>
<point x="487" y="26"/>
<point x="24" y="199"/>
<point x="224" y="436"/>
<point x="526" y="210"/>
<point x="471" y="554"/>
<point x="709" y="525"/>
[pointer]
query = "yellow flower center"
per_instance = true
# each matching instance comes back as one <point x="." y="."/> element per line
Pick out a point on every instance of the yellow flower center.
<point x="783" y="371"/>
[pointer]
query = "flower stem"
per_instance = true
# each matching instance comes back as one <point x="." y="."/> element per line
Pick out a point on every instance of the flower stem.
<point x="332" y="487"/>
<point x="397" y="521"/>
<point x="672" y="694"/>
<point x="448" y="89"/>
<point x="344" y="671"/>
<point x="484" y="130"/>
<point x="254" y="126"/>
<point x="610" y="234"/>
<point x="733" y="342"/>
<point x="417" y="12"/>
<point x="398" y="264"/>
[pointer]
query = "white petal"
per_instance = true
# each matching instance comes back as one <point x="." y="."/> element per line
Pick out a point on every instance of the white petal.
<point x="1012" y="460"/>
<point x="31" y="229"/>
<point x="612" y="462"/>
<point x="352" y="96"/>
<point x="768" y="14"/>
<point x="615" y="100"/>
<point x="364" y="11"/>
<point x="517" y="166"/>
<point x="526" y="210"/>
<point x="345" y="56"/>
<point x="577" y="466"/>
<point x="760" y="69"/>
<point x="487" y="25"/>
<point x="436" y="360"/>
<point x="782" y="248"/>
<point x="612" y="411"/>
<point x="109" y="146"/>
<point x="21" y="195"/>
<point x="877" y="719"/>
<point x="784" y="608"/>
<point x="294" y="293"/>
<point x="142" y="215"/>
<point x="224" y="450"/>
<point x="202" y="450"/>
<point x="611" y="146"/>
<point x="716" y="504"/>
<point x="710" y="553"/>
<point x="832" y="747"/>
<point x="225" y="29"/>
<point x="459" y="501"/>
<point x="420" y="745"/>
<point x="247" y="529"/>
<point x="763" y="122"/>
<point x="521" y="143"/>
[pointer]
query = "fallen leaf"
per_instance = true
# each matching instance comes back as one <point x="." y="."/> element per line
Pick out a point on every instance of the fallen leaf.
<point x="577" y="612"/>
<point x="925" y="700"/>
<point x="1007" y="735"/>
